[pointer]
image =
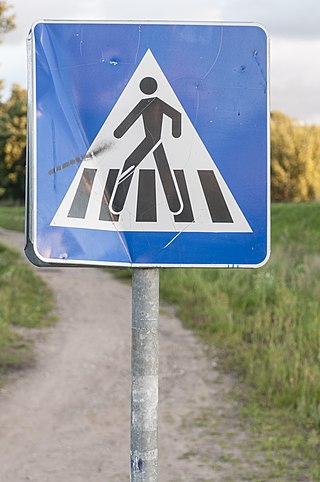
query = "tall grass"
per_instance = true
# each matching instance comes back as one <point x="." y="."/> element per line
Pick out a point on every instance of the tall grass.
<point x="266" y="320"/>
<point x="25" y="301"/>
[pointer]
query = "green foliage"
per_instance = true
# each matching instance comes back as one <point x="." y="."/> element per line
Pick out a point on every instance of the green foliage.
<point x="295" y="154"/>
<point x="13" y="122"/>
<point x="13" y="130"/>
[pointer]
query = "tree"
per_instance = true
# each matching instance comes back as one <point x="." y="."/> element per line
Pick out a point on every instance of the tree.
<point x="13" y="130"/>
<point x="12" y="125"/>
<point x="6" y="24"/>
<point x="6" y="21"/>
<point x="295" y="160"/>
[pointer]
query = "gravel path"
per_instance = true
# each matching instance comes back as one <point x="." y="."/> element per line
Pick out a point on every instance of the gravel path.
<point x="67" y="418"/>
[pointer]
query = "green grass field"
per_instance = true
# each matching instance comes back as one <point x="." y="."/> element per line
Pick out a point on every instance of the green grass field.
<point x="268" y="320"/>
<point x="12" y="217"/>
<point x="267" y="324"/>
<point x="25" y="301"/>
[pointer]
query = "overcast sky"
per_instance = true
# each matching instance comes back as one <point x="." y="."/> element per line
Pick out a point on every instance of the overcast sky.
<point x="293" y="25"/>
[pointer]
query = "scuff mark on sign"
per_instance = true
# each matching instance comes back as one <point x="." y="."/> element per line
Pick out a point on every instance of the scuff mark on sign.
<point x="255" y="55"/>
<point x="175" y="237"/>
<point x="103" y="147"/>
<point x="138" y="45"/>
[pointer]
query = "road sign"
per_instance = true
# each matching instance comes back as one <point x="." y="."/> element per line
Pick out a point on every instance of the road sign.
<point x="148" y="144"/>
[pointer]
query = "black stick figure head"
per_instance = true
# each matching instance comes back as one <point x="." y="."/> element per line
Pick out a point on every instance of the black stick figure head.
<point x="148" y="85"/>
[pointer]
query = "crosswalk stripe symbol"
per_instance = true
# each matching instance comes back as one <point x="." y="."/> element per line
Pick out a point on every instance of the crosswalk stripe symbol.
<point x="148" y="170"/>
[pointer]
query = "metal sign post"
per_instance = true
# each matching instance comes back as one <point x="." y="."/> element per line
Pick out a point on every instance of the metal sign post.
<point x="144" y="363"/>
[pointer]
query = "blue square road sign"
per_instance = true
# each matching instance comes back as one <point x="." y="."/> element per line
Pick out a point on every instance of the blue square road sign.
<point x="148" y="144"/>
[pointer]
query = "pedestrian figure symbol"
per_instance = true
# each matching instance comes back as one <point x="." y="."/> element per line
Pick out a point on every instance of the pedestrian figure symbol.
<point x="152" y="110"/>
<point x="148" y="169"/>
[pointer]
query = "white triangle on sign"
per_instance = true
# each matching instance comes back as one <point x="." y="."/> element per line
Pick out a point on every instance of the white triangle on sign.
<point x="209" y="204"/>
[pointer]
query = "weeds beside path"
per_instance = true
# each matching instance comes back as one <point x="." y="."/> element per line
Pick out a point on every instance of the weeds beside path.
<point x="267" y="324"/>
<point x="25" y="302"/>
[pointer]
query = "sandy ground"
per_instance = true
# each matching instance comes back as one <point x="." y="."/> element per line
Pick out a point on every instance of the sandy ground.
<point x="67" y="418"/>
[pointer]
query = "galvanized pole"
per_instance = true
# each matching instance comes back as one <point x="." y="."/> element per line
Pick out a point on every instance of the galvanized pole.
<point x="144" y="364"/>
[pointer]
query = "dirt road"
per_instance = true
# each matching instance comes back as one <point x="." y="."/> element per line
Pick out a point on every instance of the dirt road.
<point x="67" y="418"/>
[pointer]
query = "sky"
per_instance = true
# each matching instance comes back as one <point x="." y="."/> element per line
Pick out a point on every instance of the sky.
<point x="293" y="26"/>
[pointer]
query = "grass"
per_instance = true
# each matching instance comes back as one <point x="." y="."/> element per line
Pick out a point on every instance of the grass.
<point x="266" y="320"/>
<point x="267" y="324"/>
<point x="12" y="217"/>
<point x="25" y="301"/>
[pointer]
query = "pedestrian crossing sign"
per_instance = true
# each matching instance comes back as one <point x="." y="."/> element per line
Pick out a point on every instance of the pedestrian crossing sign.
<point x="148" y="144"/>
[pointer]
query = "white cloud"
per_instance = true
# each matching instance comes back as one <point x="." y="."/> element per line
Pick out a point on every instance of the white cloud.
<point x="283" y="18"/>
<point x="295" y="74"/>
<point x="28" y="12"/>
<point x="13" y="65"/>
<point x="293" y="26"/>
